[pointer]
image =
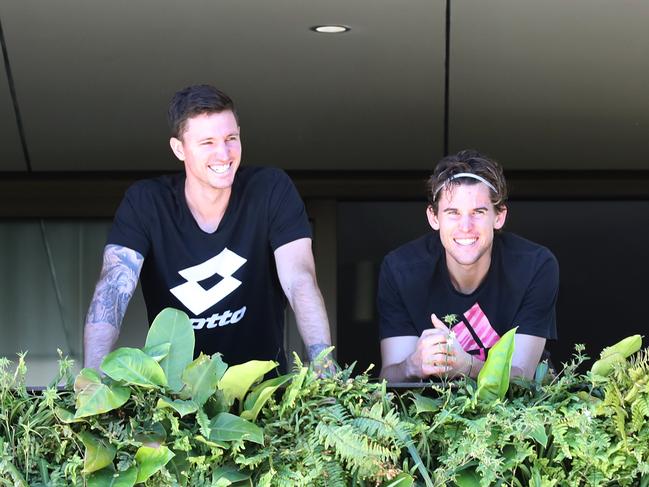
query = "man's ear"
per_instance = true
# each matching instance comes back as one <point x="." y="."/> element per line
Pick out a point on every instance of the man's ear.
<point x="501" y="216"/>
<point x="177" y="148"/>
<point x="432" y="218"/>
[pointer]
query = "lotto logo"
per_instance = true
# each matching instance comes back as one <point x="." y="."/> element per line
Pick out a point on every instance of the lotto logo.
<point x="194" y="296"/>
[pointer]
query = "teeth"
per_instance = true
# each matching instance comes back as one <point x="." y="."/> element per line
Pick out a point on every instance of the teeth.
<point x="465" y="241"/>
<point x="220" y="169"/>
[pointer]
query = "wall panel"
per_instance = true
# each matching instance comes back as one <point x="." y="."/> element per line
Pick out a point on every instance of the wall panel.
<point x="558" y="84"/>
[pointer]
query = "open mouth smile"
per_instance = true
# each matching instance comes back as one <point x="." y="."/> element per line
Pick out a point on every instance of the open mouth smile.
<point x="220" y="168"/>
<point x="465" y="242"/>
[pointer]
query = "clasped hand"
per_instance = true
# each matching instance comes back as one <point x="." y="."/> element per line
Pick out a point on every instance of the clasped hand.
<point x="438" y="353"/>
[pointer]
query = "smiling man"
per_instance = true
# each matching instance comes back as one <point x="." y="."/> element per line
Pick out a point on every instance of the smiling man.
<point x="447" y="297"/>
<point x="227" y="245"/>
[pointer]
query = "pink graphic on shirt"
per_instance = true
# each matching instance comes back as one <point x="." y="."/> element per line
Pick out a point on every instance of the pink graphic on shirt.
<point x="482" y="328"/>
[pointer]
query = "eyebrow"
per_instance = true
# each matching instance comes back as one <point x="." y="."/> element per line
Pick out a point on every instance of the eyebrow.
<point x="453" y="208"/>
<point x="236" y="134"/>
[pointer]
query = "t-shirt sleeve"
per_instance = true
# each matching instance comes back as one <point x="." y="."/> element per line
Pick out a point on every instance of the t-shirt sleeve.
<point x="537" y="313"/>
<point x="128" y="229"/>
<point x="394" y="319"/>
<point x="288" y="218"/>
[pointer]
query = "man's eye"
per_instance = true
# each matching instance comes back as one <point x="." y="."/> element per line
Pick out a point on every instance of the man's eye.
<point x="232" y="138"/>
<point x="207" y="142"/>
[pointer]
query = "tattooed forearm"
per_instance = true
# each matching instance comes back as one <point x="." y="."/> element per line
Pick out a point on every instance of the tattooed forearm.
<point x="315" y="349"/>
<point x="119" y="275"/>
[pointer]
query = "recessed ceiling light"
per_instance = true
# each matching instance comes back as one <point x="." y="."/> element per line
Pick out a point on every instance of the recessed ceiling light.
<point x="330" y="29"/>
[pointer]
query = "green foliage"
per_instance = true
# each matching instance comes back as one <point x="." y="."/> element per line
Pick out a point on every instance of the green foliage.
<point x="110" y="478"/>
<point x="150" y="460"/>
<point x="98" y="454"/>
<point x="261" y="394"/>
<point x="202" y="376"/>
<point x="133" y="366"/>
<point x="219" y="429"/>
<point x="493" y="379"/>
<point x="95" y="397"/>
<point x="337" y="430"/>
<point x="237" y="380"/>
<point x="171" y="327"/>
<point x="616" y="354"/>
<point x="229" y="427"/>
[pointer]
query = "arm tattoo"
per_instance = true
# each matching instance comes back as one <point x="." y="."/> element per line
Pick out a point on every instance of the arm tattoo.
<point x="119" y="275"/>
<point x="315" y="349"/>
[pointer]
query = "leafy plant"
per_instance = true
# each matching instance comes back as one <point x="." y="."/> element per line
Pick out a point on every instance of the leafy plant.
<point x="159" y="418"/>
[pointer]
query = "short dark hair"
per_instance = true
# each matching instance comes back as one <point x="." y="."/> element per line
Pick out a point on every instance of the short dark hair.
<point x="467" y="161"/>
<point x="196" y="100"/>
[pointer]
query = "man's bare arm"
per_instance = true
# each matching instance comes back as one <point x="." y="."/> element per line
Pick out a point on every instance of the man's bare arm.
<point x="119" y="275"/>
<point x="527" y="355"/>
<point x="296" y="272"/>
<point x="396" y="365"/>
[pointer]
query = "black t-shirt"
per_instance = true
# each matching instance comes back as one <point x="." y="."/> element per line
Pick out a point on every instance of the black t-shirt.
<point x="225" y="281"/>
<point x="520" y="289"/>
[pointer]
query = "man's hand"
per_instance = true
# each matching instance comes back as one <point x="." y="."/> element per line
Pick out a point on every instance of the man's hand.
<point x="322" y="361"/>
<point x="435" y="353"/>
<point x="446" y="356"/>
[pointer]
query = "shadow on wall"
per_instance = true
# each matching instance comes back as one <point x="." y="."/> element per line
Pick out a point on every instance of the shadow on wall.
<point x="600" y="247"/>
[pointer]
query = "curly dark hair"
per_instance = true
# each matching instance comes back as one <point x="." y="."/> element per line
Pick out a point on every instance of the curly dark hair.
<point x="467" y="161"/>
<point x="196" y="100"/>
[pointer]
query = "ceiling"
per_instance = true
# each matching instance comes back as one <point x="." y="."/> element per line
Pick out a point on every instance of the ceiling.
<point x="558" y="84"/>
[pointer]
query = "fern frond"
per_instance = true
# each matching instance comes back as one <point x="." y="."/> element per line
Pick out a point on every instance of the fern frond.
<point x="336" y="412"/>
<point x="639" y="411"/>
<point x="204" y="422"/>
<point x="360" y="454"/>
<point x="253" y="461"/>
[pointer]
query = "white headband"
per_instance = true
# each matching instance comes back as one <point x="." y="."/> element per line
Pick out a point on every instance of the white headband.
<point x="464" y="175"/>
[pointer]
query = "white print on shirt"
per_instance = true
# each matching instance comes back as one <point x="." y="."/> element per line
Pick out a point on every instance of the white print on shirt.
<point x="218" y="319"/>
<point x="192" y="294"/>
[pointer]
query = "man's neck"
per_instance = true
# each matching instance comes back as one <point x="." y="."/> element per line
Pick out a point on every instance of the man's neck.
<point x="467" y="278"/>
<point x="207" y="205"/>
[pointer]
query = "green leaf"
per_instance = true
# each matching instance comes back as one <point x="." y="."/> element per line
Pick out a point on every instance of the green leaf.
<point x="66" y="416"/>
<point x="152" y="435"/>
<point x="133" y="366"/>
<point x="94" y="397"/>
<point x="202" y="376"/>
<point x="86" y="377"/>
<point x="227" y="475"/>
<point x="223" y="445"/>
<point x="425" y="404"/>
<point x="150" y="460"/>
<point x="401" y="480"/>
<point x="493" y="379"/>
<point x="158" y="352"/>
<point x="179" y="467"/>
<point x="238" y="379"/>
<point x="228" y="427"/>
<point x="467" y="478"/>
<point x="260" y="394"/>
<point x="99" y="453"/>
<point x="539" y="434"/>
<point x="181" y="407"/>
<point x="172" y="326"/>
<point x="110" y="478"/>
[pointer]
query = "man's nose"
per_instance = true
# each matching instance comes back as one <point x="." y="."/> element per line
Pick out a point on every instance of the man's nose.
<point x="466" y="222"/>
<point x="221" y="151"/>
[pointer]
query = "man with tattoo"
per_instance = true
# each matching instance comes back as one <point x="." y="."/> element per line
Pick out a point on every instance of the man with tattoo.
<point x="227" y="245"/>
